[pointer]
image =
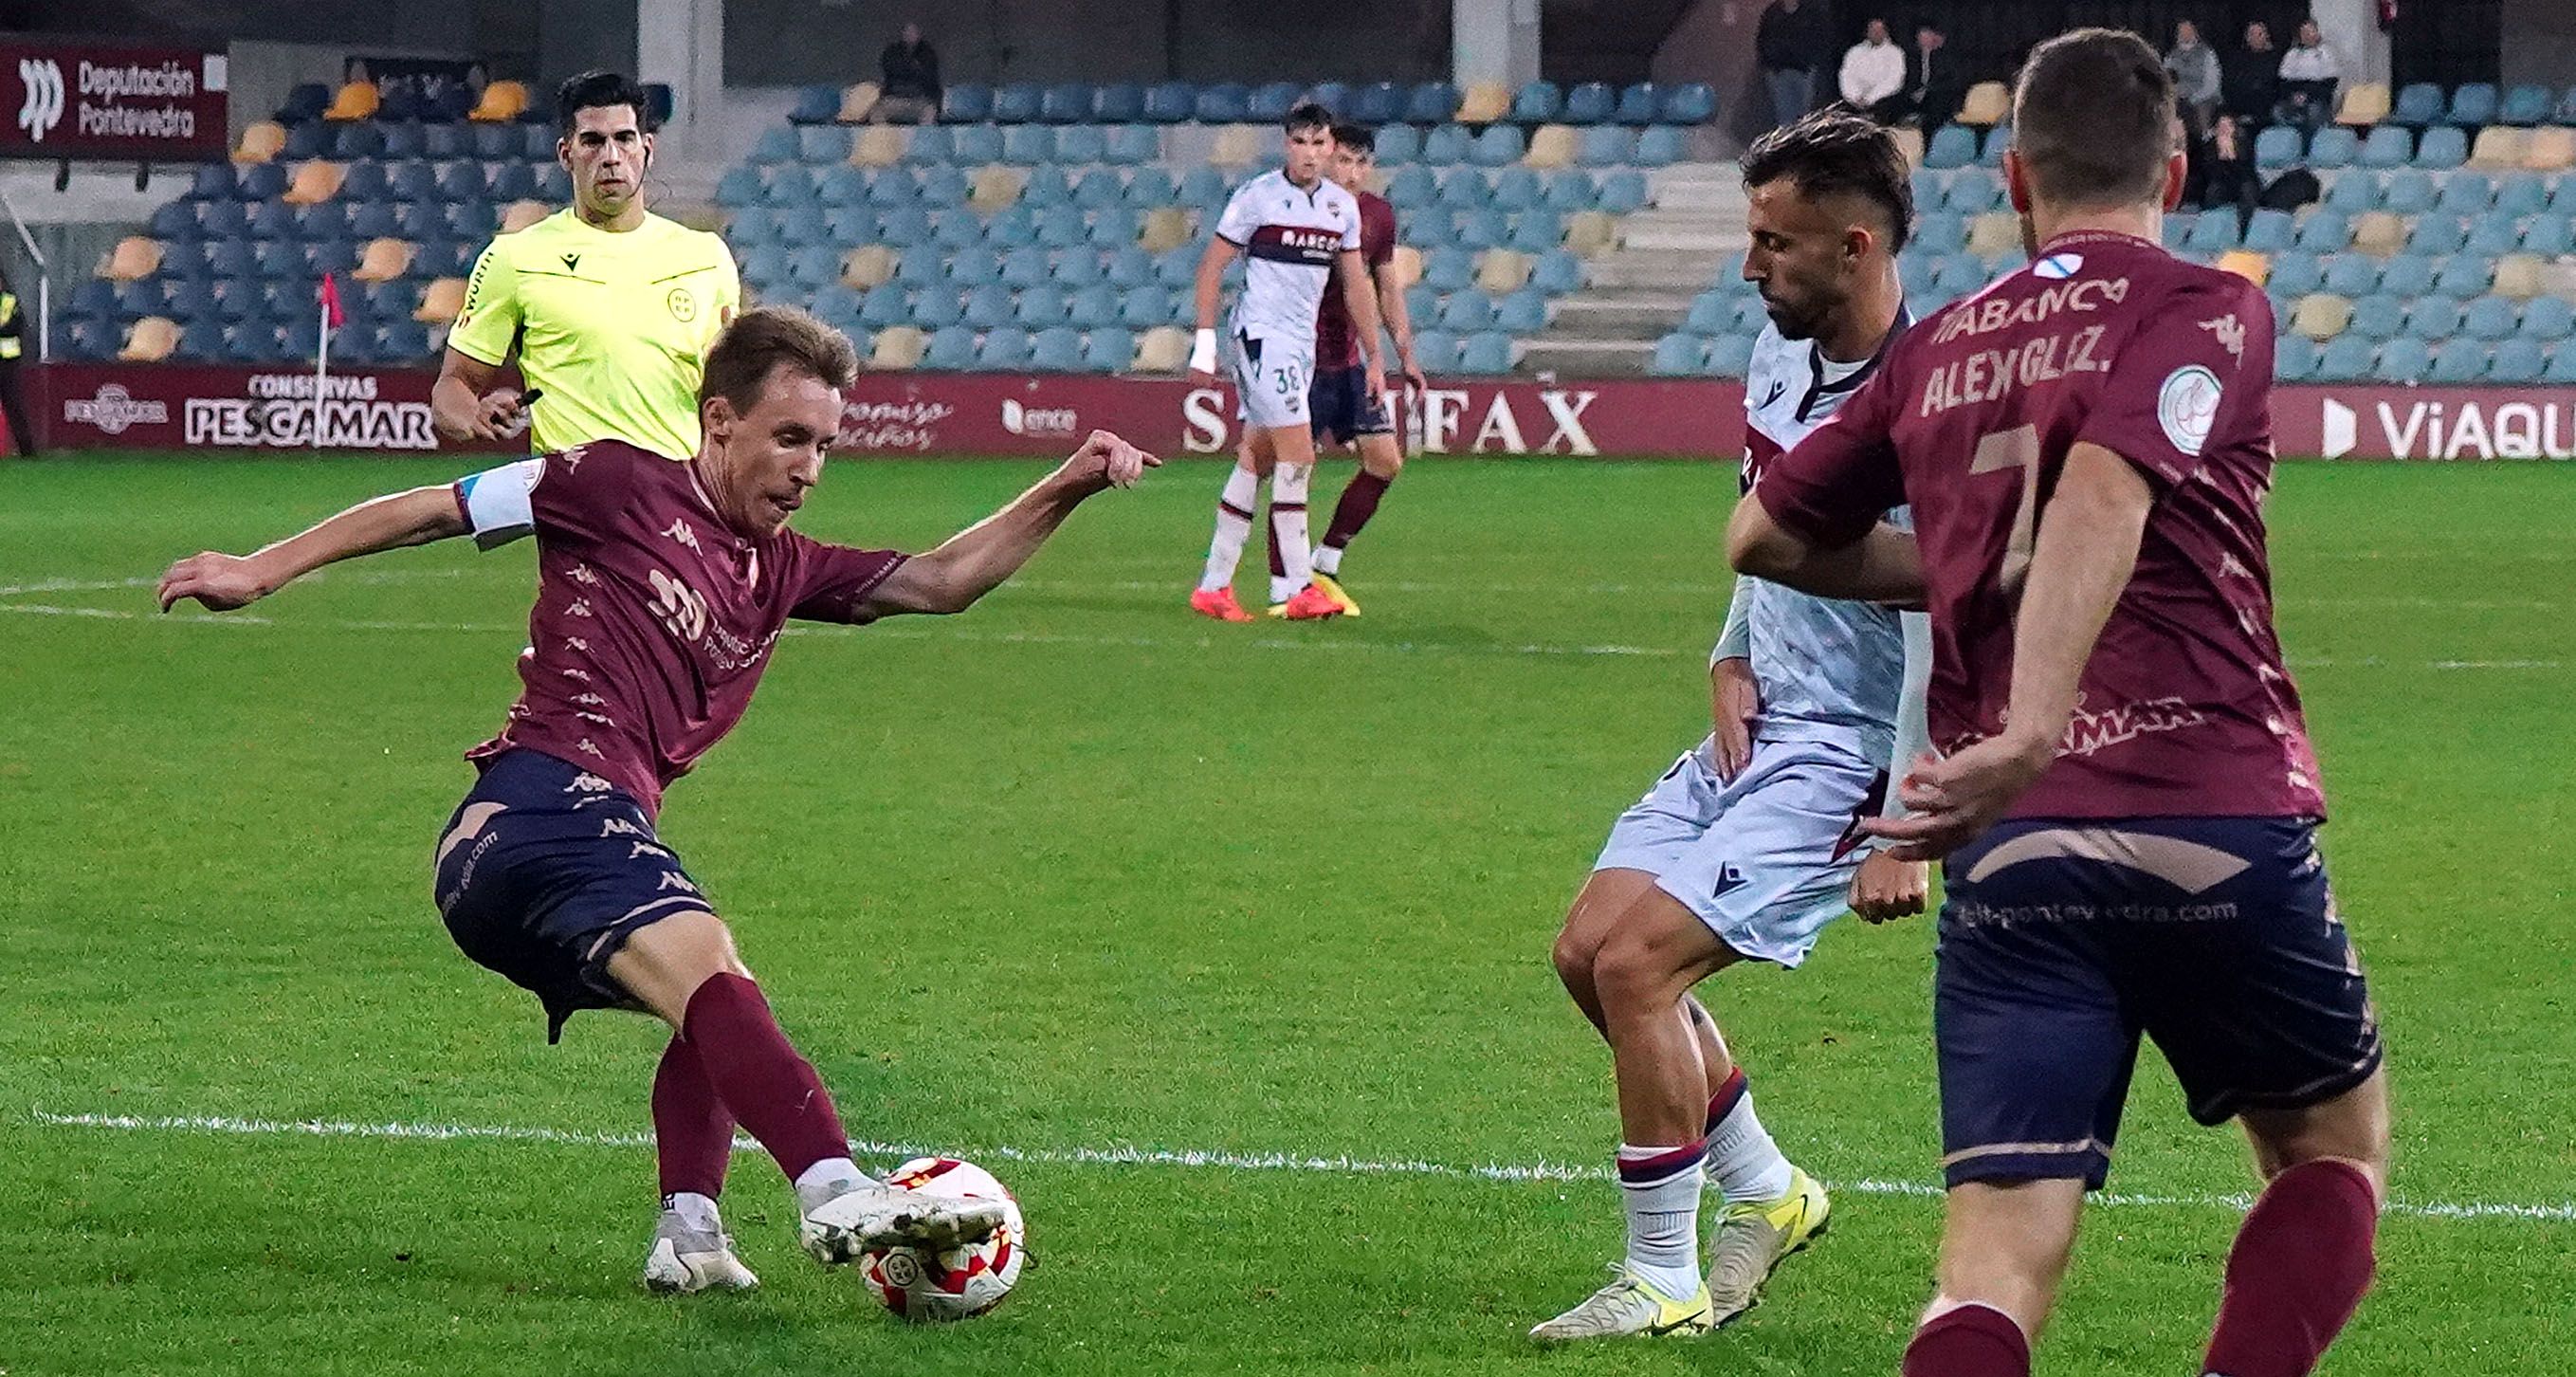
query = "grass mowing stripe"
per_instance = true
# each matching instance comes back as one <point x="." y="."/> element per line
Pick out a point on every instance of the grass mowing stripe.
<point x="1166" y="1157"/>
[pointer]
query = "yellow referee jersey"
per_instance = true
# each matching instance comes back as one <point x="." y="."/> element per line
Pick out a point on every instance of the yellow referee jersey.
<point x="614" y="327"/>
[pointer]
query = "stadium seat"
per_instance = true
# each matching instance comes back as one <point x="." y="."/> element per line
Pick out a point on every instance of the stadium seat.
<point x="965" y="102"/>
<point x="2353" y="192"/>
<point x="2418" y="104"/>
<point x="2333" y="149"/>
<point x="500" y="103"/>
<point x="2515" y="361"/>
<point x="819" y="144"/>
<point x="1522" y="313"/>
<point x="2433" y="317"/>
<point x="1094" y="306"/>
<point x="1729" y="357"/>
<point x="1144" y="307"/>
<point x="2437" y="235"/>
<point x="1080" y="144"/>
<point x="2295" y="275"/>
<point x="2294" y="359"/>
<point x="2525" y="105"/>
<point x="2375" y="317"/>
<point x="1593" y="102"/>
<point x="1972" y="192"/>
<point x="815" y="105"/>
<point x="1177" y="268"/>
<point x="1464" y="313"/>
<point x="1242" y="145"/>
<point x="440" y="301"/>
<point x="868" y="266"/>
<point x="2388" y="146"/>
<point x="857" y="102"/>
<point x="1622" y="192"/>
<point x="2562" y="366"/>
<point x="1639" y="104"/>
<point x="2408" y="275"/>
<point x="1987" y="105"/>
<point x="1131" y="267"/>
<point x="2457" y="361"/>
<point x="1605" y="146"/>
<point x="2324" y="231"/>
<point x="1537" y="102"/>
<point x="1432" y="102"/>
<point x="2473" y="105"/>
<point x="1132" y="145"/>
<point x="972" y="145"/>
<point x="1026" y="267"/>
<point x="1269" y="102"/>
<point x="1006" y="348"/>
<point x="1118" y="102"/>
<point x="775" y="145"/>
<point x="1162" y="349"/>
<point x="951" y="349"/>
<point x="2547" y="319"/>
<point x="2521" y="194"/>
<point x="2498" y="148"/>
<point x="1994" y="233"/>
<point x="2379" y="233"/>
<point x="1226" y="102"/>
<point x="1482" y="103"/>
<point x="2346" y="358"/>
<point x="938" y="307"/>
<point x="356" y="100"/>
<point x="2350" y="274"/>
<point x="1016" y="102"/>
<point x="1500" y="272"/>
<point x="1062" y="227"/>
<point x="1041" y="307"/>
<point x="1447" y="146"/>
<point x="2321" y="316"/>
<point x="1658" y="146"/>
<point x="2442" y="149"/>
<point x="1464" y="188"/>
<point x="2275" y="148"/>
<point x="2464" y="275"/>
<point x="1488" y="354"/>
<point x="1551" y="146"/>
<point x="1065" y="102"/>
<point x="2492" y="236"/>
<point x="1558" y="273"/>
<point x="2409" y="191"/>
<point x="1939" y="233"/>
<point x="2521" y="276"/>
<point x="2550" y="150"/>
<point x="1572" y="189"/>
<point x="1951" y="146"/>
<point x="2489" y="318"/>
<point x="134" y="258"/>
<point x="1689" y="103"/>
<point x="2405" y="359"/>
<point x="1107" y="350"/>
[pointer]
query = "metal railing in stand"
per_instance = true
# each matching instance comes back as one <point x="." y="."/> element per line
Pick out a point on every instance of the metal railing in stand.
<point x="44" y="283"/>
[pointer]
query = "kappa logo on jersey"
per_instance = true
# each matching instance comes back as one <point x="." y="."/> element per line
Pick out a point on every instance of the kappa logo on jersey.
<point x="682" y="608"/>
<point x="681" y="532"/>
<point x="2230" y="333"/>
<point x="672" y="879"/>
<point x="587" y="783"/>
<point x="620" y="827"/>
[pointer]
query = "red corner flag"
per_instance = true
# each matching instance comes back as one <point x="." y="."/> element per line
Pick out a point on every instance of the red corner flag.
<point x="331" y="301"/>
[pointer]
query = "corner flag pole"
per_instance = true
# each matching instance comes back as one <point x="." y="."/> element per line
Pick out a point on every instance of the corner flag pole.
<point x="327" y="309"/>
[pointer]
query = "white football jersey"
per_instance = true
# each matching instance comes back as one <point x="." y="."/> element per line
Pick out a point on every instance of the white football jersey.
<point x="1289" y="236"/>
<point x="1827" y="668"/>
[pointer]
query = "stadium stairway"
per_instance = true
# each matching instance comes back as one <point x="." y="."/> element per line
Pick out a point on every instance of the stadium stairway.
<point x="1691" y="229"/>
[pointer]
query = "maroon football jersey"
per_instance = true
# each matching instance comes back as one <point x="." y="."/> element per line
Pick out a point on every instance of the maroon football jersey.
<point x="2185" y="707"/>
<point x="653" y="618"/>
<point x="1336" y="344"/>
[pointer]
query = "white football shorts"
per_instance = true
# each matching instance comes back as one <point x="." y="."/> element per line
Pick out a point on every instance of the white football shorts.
<point x="1272" y="374"/>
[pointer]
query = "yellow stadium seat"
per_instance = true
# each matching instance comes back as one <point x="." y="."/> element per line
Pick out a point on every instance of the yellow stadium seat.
<point x="1408" y="265"/>
<point x="314" y="183"/>
<point x="1552" y="145"/>
<point x="897" y="348"/>
<point x="134" y="258"/>
<point x="1484" y="103"/>
<point x="2378" y="233"/>
<point x="440" y="301"/>
<point x="1501" y="272"/>
<point x="868" y="265"/>
<point x="356" y="101"/>
<point x="2499" y="147"/>
<point x="2247" y="264"/>
<point x="501" y="103"/>
<point x="1166" y="228"/>
<point x="881" y="145"/>
<point x="261" y="142"/>
<point x="2550" y="150"/>
<point x="1588" y="232"/>
<point x="1163" y="349"/>
<point x="2321" y="316"/>
<point x="857" y="101"/>
<point x="1910" y="143"/>
<point x="1237" y="145"/>
<point x="995" y="188"/>
<point x="2365" y="103"/>
<point x="2522" y="276"/>
<point x="384" y="260"/>
<point x="151" y="340"/>
<point x="1996" y="231"/>
<point x="1988" y="104"/>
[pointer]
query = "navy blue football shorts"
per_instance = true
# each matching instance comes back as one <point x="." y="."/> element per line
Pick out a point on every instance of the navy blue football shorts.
<point x="2062" y="941"/>
<point x="1342" y="409"/>
<point x="545" y="870"/>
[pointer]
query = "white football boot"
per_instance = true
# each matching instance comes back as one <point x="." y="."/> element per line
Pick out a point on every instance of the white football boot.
<point x="686" y="1260"/>
<point x="846" y="1218"/>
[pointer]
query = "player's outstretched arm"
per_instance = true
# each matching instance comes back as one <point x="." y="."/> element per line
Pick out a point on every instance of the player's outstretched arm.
<point x="2086" y="549"/>
<point x="225" y="582"/>
<point x="1884" y="565"/>
<point x="977" y="560"/>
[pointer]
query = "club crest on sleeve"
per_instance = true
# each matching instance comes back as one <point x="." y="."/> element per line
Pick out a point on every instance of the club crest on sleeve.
<point x="2187" y="407"/>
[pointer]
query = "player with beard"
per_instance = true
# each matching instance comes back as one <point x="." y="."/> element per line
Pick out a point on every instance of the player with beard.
<point x="1750" y="843"/>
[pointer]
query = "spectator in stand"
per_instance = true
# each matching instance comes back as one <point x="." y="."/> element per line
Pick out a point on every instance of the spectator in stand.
<point x="1874" y="73"/>
<point x="1791" y="43"/>
<point x="2194" y="66"/>
<point x="1932" y="91"/>
<point x="2310" y="71"/>
<point x="910" y="86"/>
<point x="2249" y="79"/>
<point x="2225" y="179"/>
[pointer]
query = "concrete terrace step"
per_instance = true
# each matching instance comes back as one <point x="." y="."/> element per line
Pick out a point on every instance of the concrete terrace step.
<point x="1626" y="316"/>
<point x="1585" y="358"/>
<point x="1685" y="272"/>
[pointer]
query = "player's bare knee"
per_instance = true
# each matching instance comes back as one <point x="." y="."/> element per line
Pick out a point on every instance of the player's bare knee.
<point x="2351" y="1128"/>
<point x="664" y="963"/>
<point x="1380" y="459"/>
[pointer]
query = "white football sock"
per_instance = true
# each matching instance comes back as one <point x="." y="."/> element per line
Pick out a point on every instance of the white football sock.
<point x="1225" y="551"/>
<point x="825" y="1180"/>
<point x="1288" y="524"/>
<point x="697" y="1212"/>
<point x="1663" y="1220"/>
<point x="1328" y="560"/>
<point x="1743" y="1160"/>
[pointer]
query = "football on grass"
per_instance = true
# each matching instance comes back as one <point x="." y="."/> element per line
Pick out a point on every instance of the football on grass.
<point x="959" y="1283"/>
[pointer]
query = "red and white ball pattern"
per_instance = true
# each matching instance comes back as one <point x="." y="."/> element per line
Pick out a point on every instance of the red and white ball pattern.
<point x="958" y="1283"/>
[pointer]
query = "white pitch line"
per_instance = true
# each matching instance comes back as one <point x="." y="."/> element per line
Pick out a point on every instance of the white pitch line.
<point x="1194" y="1159"/>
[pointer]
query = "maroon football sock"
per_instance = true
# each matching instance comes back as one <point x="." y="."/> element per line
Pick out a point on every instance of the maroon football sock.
<point x="1970" y="1341"/>
<point x="2297" y="1272"/>
<point x="1729" y="1094"/>
<point x="771" y="1090"/>
<point x="1358" y="504"/>
<point x="692" y="1129"/>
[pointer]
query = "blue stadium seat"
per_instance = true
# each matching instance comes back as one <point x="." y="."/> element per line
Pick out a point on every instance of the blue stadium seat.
<point x="1045" y="188"/>
<point x="1711" y="313"/>
<point x="2436" y="235"/>
<point x="1006" y="347"/>
<point x="2562" y="365"/>
<point x="1099" y="188"/>
<point x="1488" y="354"/>
<point x="1750" y="316"/>
<point x="941" y="307"/>
<point x="2548" y="235"/>
<point x="1412" y="188"/>
<point x="150" y="298"/>
<point x="956" y="229"/>
<point x="2387" y="147"/>
<point x="1016" y="102"/>
<point x="237" y="293"/>
<point x="1178" y="268"/>
<point x="2270" y="231"/>
<point x="1691" y="102"/>
<point x="1094" y="307"/>
<point x="1593" y="102"/>
<point x="1536" y="231"/>
<point x="1447" y="146"/>
<point x="1433" y="226"/>
<point x="965" y="102"/>
<point x="2548" y="319"/>
<point x="2353" y="192"/>
<point x="271" y="220"/>
<point x="1081" y="144"/>
<point x="1558" y="273"/>
<point x="1991" y="155"/>
<point x="2334" y="147"/>
<point x="814" y="265"/>
<point x="1464" y="188"/>
<point x="1398" y="145"/>
<point x="1973" y="191"/>
<point x="2443" y="148"/>
<point x="1062" y="227"/>
<point x="1571" y="189"/>
<point x="1131" y="267"/>
<point x="2433" y="317"/>
<point x="2295" y="274"/>
<point x="971" y="145"/>
<point x="513" y="182"/>
<point x="991" y="307"/>
<point x="1143" y="308"/>
<point x="918" y="263"/>
<point x="2346" y="358"/>
<point x="1028" y="145"/>
<point x="1957" y="276"/>
<point x="325" y="223"/>
<point x="2516" y="361"/>
<point x="276" y="258"/>
<point x="1623" y="191"/>
<point x="2521" y="194"/>
<point x="1638" y="104"/>
<point x="415" y="180"/>
<point x="1422" y="303"/>
<point x="2379" y="316"/>
<point x="838" y="304"/>
<point x="1466" y="312"/>
<point x="815" y="105"/>
<point x="2525" y="105"/>
<point x="2492" y="236"/>
<point x="1065" y="102"/>
<point x="930" y="145"/>
<point x="2490" y="318"/>
<point x="214" y="182"/>
<point x="2404" y="359"/>
<point x="493" y="142"/>
<point x="1026" y="266"/>
<point x="764" y="267"/>
<point x="1436" y="351"/>
<point x="1132" y="145"/>
<point x="2294" y="359"/>
<point x="1042" y="307"/>
<point x="354" y="140"/>
<point x="1929" y="189"/>
<point x="1108" y="350"/>
<point x="1150" y="186"/>
<point x="1914" y="273"/>
<point x="421" y="220"/>
<point x="1951" y="146"/>
<point x="2351" y="275"/>
<point x="1660" y="146"/>
<point x="2276" y="147"/>
<point x="1171" y="102"/>
<point x="554" y="184"/>
<point x="1379" y="103"/>
<point x="1537" y="102"/>
<point x="2473" y="105"/>
<point x="1522" y="313"/>
<point x="307" y="141"/>
<point x="1729" y="357"/>
<point x="2458" y="361"/>
<point x="776" y="144"/>
<point x="2324" y="231"/>
<point x="1432" y="102"/>
<point x="951" y="349"/>
<point x="1499" y="145"/>
<point x="2419" y="103"/>
<point x="1118" y="102"/>
<point x="1448" y="270"/>
<point x="2464" y="275"/>
<point x="976" y="269"/>
<point x="944" y="187"/>
<point x="1269" y="102"/>
<point x="444" y="141"/>
<point x="787" y="185"/>
<point x="1226" y="102"/>
<point x="885" y="304"/>
<point x="262" y="182"/>
<point x="366" y="182"/>
<point x="306" y="101"/>
<point x="1939" y="233"/>
<point x="1605" y="146"/>
<point x="843" y="187"/>
<point x="2408" y="275"/>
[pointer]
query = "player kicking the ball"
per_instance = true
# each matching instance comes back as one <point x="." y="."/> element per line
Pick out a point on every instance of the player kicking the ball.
<point x="1749" y="844"/>
<point x="2127" y="806"/>
<point x="661" y="588"/>
<point x="1300" y="231"/>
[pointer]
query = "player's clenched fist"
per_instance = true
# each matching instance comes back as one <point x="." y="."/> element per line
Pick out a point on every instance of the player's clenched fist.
<point x="1885" y="888"/>
<point x="222" y="582"/>
<point x="1110" y="460"/>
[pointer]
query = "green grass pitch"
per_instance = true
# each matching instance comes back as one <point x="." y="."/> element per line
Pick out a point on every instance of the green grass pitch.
<point x="1077" y="873"/>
